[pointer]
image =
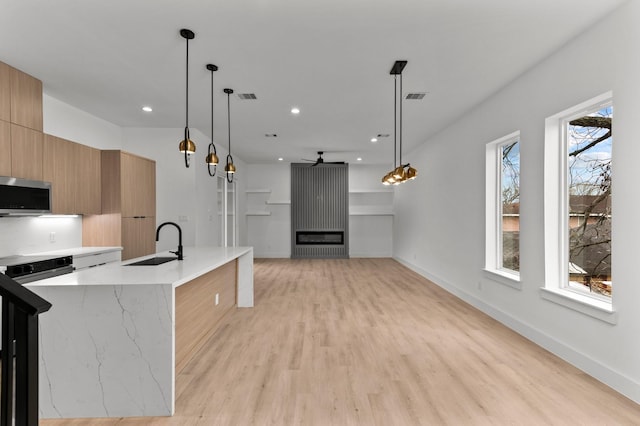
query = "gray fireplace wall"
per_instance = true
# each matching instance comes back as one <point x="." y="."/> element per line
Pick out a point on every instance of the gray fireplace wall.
<point x="319" y="203"/>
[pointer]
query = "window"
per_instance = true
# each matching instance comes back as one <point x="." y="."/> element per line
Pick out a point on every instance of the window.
<point x="502" y="255"/>
<point x="578" y="184"/>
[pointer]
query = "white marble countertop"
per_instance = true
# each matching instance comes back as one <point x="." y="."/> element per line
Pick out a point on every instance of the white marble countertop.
<point x="78" y="251"/>
<point x="197" y="261"/>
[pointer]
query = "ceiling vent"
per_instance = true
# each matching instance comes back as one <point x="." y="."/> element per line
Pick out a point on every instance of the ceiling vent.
<point x="383" y="135"/>
<point x="247" y="96"/>
<point x="416" y="96"/>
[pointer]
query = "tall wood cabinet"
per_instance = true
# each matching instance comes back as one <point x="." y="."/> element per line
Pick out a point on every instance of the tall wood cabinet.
<point x="74" y="172"/>
<point x="21" y="146"/>
<point x="128" y="206"/>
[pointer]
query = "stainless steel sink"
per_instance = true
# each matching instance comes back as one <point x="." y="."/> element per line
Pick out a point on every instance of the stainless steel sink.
<point x="153" y="261"/>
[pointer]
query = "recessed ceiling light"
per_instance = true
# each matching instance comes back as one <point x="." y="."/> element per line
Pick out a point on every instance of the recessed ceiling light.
<point x="295" y="110"/>
<point x="280" y="159"/>
<point x="270" y="135"/>
<point x="147" y="109"/>
<point x="374" y="140"/>
<point x="359" y="159"/>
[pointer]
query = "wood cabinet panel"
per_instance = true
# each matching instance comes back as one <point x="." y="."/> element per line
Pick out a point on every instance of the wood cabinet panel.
<point x="197" y="315"/>
<point x="5" y="92"/>
<point x="5" y="148"/>
<point x="74" y="172"/>
<point x="88" y="198"/>
<point x="129" y="200"/>
<point x="58" y="168"/>
<point x="26" y="100"/>
<point x="26" y="153"/>
<point x="138" y="236"/>
<point x="139" y="186"/>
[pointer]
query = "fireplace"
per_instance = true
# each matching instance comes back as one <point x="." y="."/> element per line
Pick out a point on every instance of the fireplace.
<point x="320" y="237"/>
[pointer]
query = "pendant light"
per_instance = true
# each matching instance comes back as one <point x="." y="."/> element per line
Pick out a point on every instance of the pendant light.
<point x="230" y="169"/>
<point x="398" y="174"/>
<point x="187" y="146"/>
<point x="212" y="157"/>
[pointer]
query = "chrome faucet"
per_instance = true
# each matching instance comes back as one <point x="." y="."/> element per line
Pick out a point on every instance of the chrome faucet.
<point x="179" y="252"/>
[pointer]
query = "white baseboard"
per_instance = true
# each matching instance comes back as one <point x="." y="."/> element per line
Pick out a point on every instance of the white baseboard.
<point x="620" y="383"/>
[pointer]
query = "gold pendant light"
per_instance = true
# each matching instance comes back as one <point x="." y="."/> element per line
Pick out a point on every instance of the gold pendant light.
<point x="230" y="169"/>
<point x="402" y="172"/>
<point x="187" y="146"/>
<point x="212" y="157"/>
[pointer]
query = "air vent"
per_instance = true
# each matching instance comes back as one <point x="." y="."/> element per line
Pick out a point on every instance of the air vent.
<point x="383" y="135"/>
<point x="416" y="96"/>
<point x="247" y="96"/>
<point x="270" y="135"/>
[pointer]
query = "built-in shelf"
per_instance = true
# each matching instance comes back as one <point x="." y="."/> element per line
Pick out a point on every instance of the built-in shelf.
<point x="369" y="191"/>
<point x="256" y="213"/>
<point x="380" y="210"/>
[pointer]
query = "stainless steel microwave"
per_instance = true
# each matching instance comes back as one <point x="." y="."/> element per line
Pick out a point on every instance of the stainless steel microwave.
<point x="24" y="197"/>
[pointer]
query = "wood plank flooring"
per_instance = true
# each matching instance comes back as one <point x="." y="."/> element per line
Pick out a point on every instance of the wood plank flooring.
<point x="369" y="342"/>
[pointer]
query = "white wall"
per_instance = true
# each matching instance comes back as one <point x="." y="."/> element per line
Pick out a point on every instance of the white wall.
<point x="439" y="227"/>
<point x="270" y="236"/>
<point x="65" y="121"/>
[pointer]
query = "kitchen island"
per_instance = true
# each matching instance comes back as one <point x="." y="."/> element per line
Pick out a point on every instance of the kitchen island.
<point x="116" y="334"/>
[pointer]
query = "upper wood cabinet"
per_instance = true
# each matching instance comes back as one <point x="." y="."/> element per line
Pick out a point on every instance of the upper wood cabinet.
<point x="128" y="184"/>
<point x="5" y="148"/>
<point x="20" y="124"/>
<point x="26" y="100"/>
<point x="26" y="153"/>
<point x="5" y="92"/>
<point x="74" y="172"/>
<point x="128" y="206"/>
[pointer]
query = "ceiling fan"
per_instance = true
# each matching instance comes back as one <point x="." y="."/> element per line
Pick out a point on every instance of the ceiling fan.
<point x="320" y="160"/>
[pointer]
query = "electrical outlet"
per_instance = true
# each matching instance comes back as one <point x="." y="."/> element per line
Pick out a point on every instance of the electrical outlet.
<point x="217" y="298"/>
<point x="52" y="237"/>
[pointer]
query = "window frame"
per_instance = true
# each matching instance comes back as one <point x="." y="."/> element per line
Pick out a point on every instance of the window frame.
<point x="556" y="212"/>
<point x="494" y="268"/>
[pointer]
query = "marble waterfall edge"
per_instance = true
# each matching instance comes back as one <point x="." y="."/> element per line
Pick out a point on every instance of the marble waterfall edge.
<point x="107" y="351"/>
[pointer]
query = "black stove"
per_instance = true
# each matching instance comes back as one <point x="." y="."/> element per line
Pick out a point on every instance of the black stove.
<point x="25" y="269"/>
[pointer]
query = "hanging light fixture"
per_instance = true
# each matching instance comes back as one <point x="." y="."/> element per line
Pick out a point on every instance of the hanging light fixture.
<point x="187" y="146"/>
<point x="400" y="172"/>
<point x="230" y="169"/>
<point x="212" y="157"/>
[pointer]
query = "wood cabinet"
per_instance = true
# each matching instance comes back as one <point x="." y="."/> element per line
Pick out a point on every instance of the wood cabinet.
<point x="74" y="172"/>
<point x="26" y="153"/>
<point x="5" y="148"/>
<point x="138" y="236"/>
<point x="200" y="306"/>
<point x="5" y="92"/>
<point x="26" y="100"/>
<point x="128" y="205"/>
<point x="20" y="124"/>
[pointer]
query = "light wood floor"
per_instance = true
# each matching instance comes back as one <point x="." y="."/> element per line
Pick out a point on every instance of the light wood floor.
<point x="368" y="342"/>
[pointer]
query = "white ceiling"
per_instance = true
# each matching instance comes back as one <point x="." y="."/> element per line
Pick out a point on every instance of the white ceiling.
<point x="331" y="58"/>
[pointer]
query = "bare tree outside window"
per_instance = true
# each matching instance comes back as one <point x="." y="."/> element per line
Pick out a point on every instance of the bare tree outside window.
<point x="510" y="189"/>
<point x="589" y="140"/>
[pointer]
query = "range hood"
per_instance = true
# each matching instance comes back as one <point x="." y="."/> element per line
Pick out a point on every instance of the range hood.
<point x="22" y="197"/>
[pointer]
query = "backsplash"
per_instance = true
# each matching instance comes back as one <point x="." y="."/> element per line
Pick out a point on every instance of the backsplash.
<point x="24" y="235"/>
